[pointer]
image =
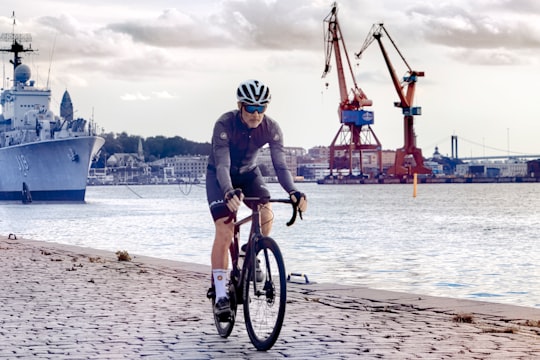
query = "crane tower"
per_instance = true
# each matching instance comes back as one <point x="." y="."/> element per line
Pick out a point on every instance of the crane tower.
<point x="409" y="158"/>
<point x="355" y="135"/>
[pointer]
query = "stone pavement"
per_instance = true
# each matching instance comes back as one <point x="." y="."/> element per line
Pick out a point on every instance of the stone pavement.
<point x="65" y="302"/>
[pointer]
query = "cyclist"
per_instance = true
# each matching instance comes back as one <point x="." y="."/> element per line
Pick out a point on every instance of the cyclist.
<point x="232" y="173"/>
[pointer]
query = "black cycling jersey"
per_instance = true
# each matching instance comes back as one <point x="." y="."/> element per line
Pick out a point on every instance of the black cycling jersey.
<point x="235" y="148"/>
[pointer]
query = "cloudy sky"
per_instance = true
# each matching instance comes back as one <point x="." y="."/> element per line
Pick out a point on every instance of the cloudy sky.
<point x="171" y="67"/>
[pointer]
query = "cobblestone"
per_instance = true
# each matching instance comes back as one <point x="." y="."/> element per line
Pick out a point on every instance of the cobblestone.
<point x="64" y="302"/>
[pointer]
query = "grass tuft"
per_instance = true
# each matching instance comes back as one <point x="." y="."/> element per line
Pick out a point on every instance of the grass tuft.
<point x="464" y="318"/>
<point x="123" y="256"/>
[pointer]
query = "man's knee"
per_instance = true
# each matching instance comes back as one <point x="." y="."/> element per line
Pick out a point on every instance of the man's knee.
<point x="266" y="213"/>
<point x="267" y="217"/>
<point x="224" y="231"/>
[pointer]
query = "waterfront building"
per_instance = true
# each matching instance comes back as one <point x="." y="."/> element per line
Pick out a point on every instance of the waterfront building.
<point x="490" y="169"/>
<point x="312" y="171"/>
<point x="264" y="160"/>
<point x="182" y="168"/>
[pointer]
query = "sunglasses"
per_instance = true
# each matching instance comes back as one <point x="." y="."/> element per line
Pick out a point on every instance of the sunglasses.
<point x="252" y="108"/>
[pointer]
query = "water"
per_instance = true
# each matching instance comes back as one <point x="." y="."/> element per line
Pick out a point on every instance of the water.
<point x="474" y="241"/>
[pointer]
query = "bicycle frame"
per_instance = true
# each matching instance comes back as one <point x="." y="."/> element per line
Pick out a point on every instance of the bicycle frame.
<point x="254" y="235"/>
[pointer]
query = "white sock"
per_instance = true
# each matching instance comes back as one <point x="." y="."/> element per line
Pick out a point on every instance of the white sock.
<point x="220" y="282"/>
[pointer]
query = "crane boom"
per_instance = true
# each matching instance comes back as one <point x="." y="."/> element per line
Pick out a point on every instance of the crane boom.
<point x="333" y="38"/>
<point x="335" y="44"/>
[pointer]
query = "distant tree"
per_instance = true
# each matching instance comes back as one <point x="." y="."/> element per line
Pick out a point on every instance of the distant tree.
<point x="155" y="147"/>
<point x="175" y="146"/>
<point x="112" y="145"/>
<point x="129" y="143"/>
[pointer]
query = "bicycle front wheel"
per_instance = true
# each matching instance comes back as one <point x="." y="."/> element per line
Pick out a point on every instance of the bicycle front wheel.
<point x="265" y="295"/>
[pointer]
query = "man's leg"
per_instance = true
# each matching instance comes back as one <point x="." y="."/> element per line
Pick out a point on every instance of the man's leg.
<point x="222" y="242"/>
<point x="267" y="219"/>
<point x="220" y="263"/>
<point x="220" y="256"/>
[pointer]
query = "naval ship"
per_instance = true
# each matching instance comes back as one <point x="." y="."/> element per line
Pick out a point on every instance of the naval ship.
<point x="43" y="157"/>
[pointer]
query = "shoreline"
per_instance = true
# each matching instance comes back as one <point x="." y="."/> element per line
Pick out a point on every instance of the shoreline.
<point x="206" y="269"/>
<point x="65" y="301"/>
<point x="358" y="180"/>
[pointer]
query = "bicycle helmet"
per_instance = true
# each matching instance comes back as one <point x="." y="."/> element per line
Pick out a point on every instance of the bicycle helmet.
<point x="253" y="92"/>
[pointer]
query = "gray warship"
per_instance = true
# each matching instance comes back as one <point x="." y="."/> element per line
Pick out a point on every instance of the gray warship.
<point x="43" y="157"/>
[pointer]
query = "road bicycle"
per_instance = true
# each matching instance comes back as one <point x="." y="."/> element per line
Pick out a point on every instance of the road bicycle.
<point x="260" y="283"/>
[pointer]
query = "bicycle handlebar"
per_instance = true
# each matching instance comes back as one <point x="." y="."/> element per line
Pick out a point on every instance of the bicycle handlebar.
<point x="265" y="200"/>
<point x="296" y="211"/>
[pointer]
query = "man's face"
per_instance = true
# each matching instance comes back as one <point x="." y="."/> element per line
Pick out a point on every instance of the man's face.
<point x="252" y="115"/>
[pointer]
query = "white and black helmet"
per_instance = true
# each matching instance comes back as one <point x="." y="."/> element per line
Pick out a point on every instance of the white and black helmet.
<point x="253" y="92"/>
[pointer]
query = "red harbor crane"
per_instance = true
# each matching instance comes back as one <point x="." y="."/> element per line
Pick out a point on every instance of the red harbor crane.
<point x="409" y="158"/>
<point x="355" y="134"/>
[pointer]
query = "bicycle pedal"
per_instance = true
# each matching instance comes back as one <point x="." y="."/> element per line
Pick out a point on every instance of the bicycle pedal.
<point x="226" y="317"/>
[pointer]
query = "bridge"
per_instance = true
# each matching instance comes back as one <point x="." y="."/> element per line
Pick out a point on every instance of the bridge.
<point x="501" y="157"/>
<point x="510" y="155"/>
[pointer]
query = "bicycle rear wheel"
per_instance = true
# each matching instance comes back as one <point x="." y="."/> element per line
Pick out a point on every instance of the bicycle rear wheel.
<point x="225" y="326"/>
<point x="264" y="307"/>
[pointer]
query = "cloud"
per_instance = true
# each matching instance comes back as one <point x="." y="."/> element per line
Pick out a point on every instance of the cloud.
<point x="135" y="97"/>
<point x="138" y="96"/>
<point x="487" y="57"/>
<point x="172" y="29"/>
<point x="173" y="42"/>
<point x="248" y="25"/>
<point x="67" y="39"/>
<point x="489" y="32"/>
<point x="274" y="24"/>
<point x="62" y="24"/>
<point x="478" y="27"/>
<point x="273" y="34"/>
<point x="97" y="50"/>
<point x="164" y="95"/>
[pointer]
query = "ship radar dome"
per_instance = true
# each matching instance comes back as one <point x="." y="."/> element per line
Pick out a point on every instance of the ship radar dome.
<point x="22" y="73"/>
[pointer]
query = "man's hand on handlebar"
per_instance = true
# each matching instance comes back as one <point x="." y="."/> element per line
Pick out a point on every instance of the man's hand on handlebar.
<point x="233" y="199"/>
<point x="299" y="200"/>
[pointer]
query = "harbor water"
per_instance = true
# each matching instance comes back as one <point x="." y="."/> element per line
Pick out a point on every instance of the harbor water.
<point x="473" y="241"/>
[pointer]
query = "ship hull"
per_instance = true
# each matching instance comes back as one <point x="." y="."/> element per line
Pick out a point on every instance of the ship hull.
<point x="53" y="170"/>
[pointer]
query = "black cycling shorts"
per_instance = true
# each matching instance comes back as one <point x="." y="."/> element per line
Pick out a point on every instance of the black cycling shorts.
<point x="251" y="183"/>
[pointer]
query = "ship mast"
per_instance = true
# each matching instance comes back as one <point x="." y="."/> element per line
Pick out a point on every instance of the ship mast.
<point x="16" y="41"/>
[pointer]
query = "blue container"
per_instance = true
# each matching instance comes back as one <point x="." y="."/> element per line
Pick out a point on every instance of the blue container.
<point x="412" y="111"/>
<point x="357" y="117"/>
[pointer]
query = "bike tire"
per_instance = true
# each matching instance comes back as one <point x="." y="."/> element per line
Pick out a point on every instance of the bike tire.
<point x="225" y="326"/>
<point x="264" y="312"/>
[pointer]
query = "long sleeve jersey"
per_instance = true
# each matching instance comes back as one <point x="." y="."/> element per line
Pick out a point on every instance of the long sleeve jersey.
<point x="235" y="148"/>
